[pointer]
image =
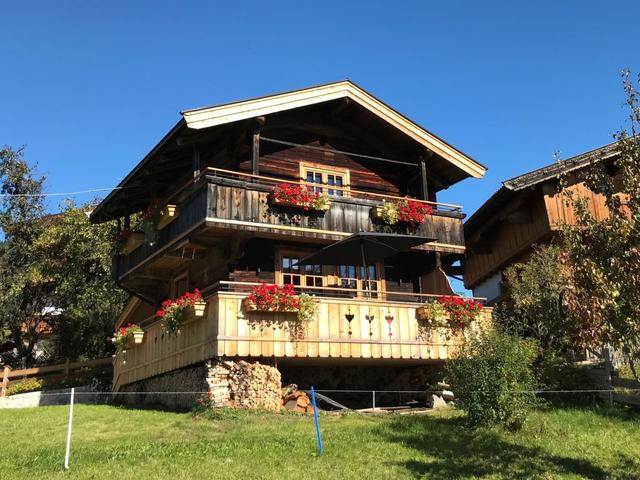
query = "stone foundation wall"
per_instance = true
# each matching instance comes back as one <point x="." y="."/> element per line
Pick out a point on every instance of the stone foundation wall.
<point x="190" y="379"/>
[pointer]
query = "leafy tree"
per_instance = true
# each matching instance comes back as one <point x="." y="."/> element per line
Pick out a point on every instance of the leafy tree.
<point x="604" y="256"/>
<point x="55" y="271"/>
<point x="533" y="308"/>
<point x="76" y="259"/>
<point x="24" y="299"/>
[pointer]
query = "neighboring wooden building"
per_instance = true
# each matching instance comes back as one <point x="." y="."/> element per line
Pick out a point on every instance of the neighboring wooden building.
<point x="527" y="210"/>
<point x="219" y="165"/>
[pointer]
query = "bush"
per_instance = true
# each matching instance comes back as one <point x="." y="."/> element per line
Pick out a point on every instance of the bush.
<point x="492" y="378"/>
<point x="555" y="373"/>
<point x="24" y="386"/>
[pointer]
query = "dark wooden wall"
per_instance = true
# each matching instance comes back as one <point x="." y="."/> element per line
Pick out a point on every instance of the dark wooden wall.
<point x="366" y="175"/>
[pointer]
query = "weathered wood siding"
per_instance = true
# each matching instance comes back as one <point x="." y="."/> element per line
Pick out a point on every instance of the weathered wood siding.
<point x="503" y="242"/>
<point x="161" y="352"/>
<point x="560" y="213"/>
<point x="238" y="205"/>
<point x="193" y="210"/>
<point x="509" y="242"/>
<point x="226" y="330"/>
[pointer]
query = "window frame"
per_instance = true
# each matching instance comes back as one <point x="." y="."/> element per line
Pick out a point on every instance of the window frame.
<point x="174" y="284"/>
<point x="325" y="171"/>
<point x="330" y="275"/>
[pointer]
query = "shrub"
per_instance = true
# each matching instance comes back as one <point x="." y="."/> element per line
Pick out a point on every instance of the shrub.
<point x="24" y="386"/>
<point x="492" y="378"/>
<point x="555" y="373"/>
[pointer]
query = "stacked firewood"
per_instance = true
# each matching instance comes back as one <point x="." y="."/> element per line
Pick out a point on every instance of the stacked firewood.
<point x="296" y="400"/>
<point x="254" y="385"/>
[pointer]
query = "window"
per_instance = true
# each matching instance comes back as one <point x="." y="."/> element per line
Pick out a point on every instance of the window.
<point x="180" y="285"/>
<point x="366" y="282"/>
<point x="359" y="278"/>
<point x="321" y="179"/>
<point x="300" y="276"/>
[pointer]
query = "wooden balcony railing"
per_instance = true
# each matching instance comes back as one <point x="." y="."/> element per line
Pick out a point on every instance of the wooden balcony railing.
<point x="378" y="330"/>
<point x="228" y="199"/>
<point x="346" y="190"/>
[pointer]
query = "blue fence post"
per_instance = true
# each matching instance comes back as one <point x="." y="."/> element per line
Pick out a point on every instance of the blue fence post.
<point x="315" y="418"/>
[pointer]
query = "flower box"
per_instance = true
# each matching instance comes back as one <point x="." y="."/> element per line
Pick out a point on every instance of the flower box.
<point x="134" y="241"/>
<point x="138" y="336"/>
<point x="248" y="306"/>
<point x="273" y="200"/>
<point x="198" y="308"/>
<point x="376" y="212"/>
<point x="167" y="215"/>
<point x="405" y="211"/>
<point x="449" y="311"/>
<point x="299" y="196"/>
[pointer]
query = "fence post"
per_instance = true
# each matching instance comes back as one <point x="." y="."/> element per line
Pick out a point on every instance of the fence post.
<point x="373" y="403"/>
<point x="315" y="418"/>
<point x="68" y="450"/>
<point x="66" y="370"/>
<point x="5" y="381"/>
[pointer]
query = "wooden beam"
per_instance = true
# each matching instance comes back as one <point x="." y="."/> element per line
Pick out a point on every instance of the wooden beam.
<point x="423" y="178"/>
<point x="196" y="161"/>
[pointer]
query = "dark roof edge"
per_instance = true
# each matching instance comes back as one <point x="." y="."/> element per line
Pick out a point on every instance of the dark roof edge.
<point x="98" y="214"/>
<point x="563" y="166"/>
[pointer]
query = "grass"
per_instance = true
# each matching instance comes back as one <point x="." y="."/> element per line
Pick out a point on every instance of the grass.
<point x="117" y="443"/>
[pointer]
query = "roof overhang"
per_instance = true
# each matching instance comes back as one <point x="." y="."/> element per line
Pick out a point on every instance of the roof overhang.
<point x="221" y="114"/>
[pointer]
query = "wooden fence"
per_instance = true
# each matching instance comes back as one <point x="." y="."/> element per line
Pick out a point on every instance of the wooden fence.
<point x="63" y="372"/>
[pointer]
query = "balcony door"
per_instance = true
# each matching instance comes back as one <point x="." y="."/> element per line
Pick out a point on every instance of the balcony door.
<point x="338" y="281"/>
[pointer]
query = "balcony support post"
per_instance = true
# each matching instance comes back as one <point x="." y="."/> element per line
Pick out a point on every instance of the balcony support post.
<point x="255" y="150"/>
<point x="423" y="178"/>
<point x="196" y="161"/>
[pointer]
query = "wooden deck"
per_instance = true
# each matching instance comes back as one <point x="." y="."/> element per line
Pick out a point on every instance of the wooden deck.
<point x="227" y="330"/>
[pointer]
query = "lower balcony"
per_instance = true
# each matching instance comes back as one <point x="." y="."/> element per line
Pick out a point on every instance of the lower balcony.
<point x="379" y="330"/>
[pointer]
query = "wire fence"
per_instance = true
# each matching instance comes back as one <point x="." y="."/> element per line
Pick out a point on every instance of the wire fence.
<point x="350" y="400"/>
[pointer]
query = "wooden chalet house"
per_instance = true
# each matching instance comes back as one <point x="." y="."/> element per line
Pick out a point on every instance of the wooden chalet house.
<point x="527" y="210"/>
<point x="223" y="230"/>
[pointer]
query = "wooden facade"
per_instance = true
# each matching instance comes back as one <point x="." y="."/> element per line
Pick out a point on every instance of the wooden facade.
<point x="526" y="211"/>
<point x="218" y="169"/>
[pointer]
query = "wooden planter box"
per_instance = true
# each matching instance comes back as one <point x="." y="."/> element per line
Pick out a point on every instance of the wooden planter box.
<point x="198" y="308"/>
<point x="280" y="203"/>
<point x="138" y="337"/>
<point x="376" y="212"/>
<point x="169" y="214"/>
<point x="249" y="306"/>
<point x="134" y="241"/>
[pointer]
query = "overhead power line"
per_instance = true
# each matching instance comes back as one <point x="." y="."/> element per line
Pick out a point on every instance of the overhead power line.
<point x="61" y="194"/>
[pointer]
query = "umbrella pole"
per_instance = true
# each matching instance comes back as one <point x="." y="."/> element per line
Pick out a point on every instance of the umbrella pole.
<point x="366" y="270"/>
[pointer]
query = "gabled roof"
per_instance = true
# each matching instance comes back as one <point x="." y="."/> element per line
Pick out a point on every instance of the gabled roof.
<point x="231" y="112"/>
<point x="562" y="167"/>
<point x="128" y="194"/>
<point x="481" y="218"/>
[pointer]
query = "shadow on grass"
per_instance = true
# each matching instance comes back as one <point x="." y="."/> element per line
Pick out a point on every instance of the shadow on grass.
<point x="457" y="452"/>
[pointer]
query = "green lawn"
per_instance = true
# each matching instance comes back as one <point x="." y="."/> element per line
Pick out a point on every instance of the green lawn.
<point x="116" y="443"/>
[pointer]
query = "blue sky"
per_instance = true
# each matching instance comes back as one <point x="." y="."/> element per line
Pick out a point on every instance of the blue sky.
<point x="89" y="87"/>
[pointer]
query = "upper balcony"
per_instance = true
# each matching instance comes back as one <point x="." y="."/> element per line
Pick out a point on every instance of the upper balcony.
<point x="219" y="203"/>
